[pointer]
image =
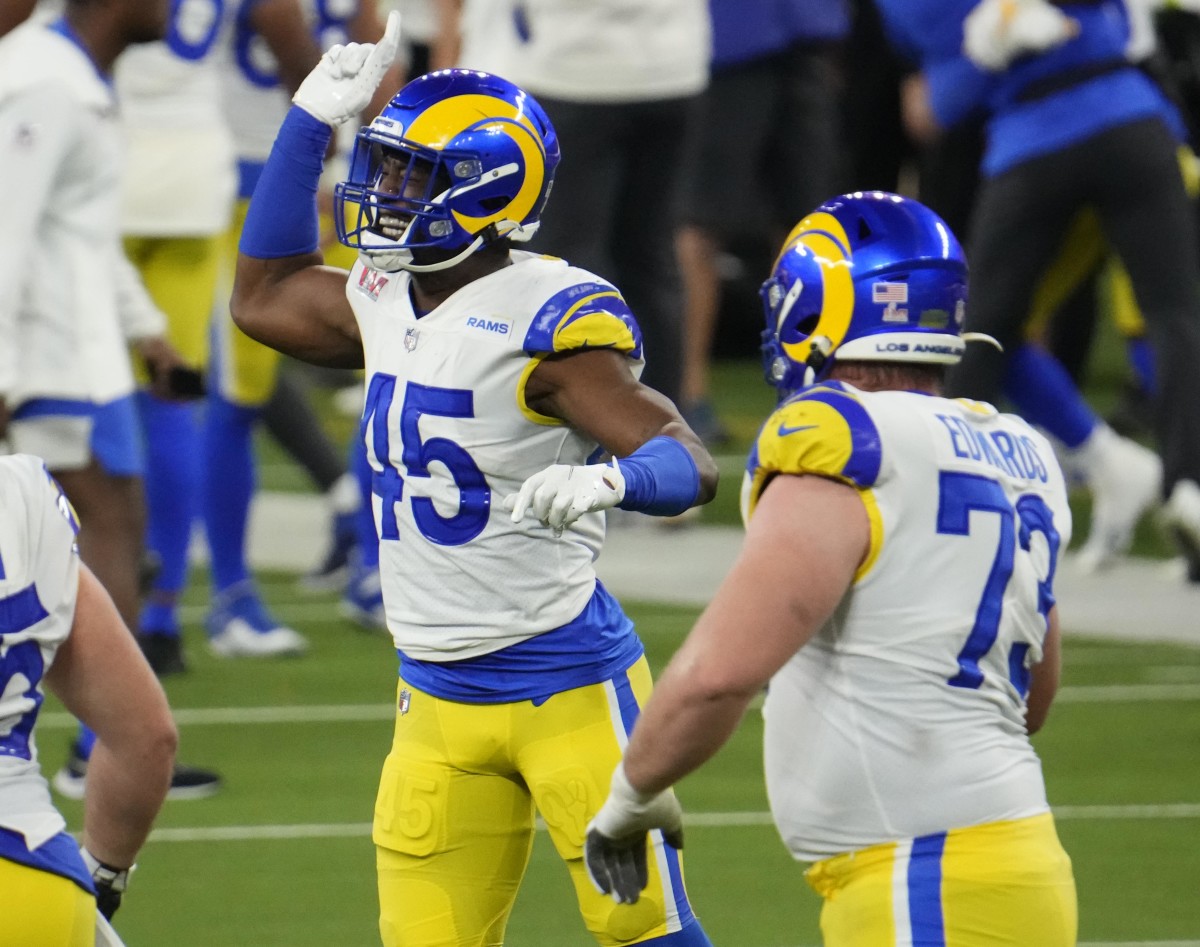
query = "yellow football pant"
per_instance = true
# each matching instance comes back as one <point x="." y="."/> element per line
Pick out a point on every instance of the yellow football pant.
<point x="1002" y="884"/>
<point x="42" y="909"/>
<point x="180" y="273"/>
<point x="454" y="818"/>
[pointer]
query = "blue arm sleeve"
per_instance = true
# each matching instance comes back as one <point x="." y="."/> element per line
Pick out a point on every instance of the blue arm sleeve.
<point x="660" y="478"/>
<point x="282" y="219"/>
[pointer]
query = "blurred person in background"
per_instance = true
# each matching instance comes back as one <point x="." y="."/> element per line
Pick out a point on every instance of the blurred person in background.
<point x="894" y="597"/>
<point x="766" y="147"/>
<point x="178" y="190"/>
<point x="274" y="45"/>
<point x="1071" y="124"/>
<point x="421" y="32"/>
<point x="70" y="301"/>
<point x="878" y="149"/>
<point x="60" y="630"/>
<point x="620" y="80"/>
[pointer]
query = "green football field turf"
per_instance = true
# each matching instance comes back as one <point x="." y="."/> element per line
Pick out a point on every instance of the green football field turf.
<point x="283" y="855"/>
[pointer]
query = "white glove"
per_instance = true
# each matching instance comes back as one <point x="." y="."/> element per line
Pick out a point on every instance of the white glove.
<point x="562" y="493"/>
<point x="343" y="82"/>
<point x="998" y="31"/>
<point x="615" y="849"/>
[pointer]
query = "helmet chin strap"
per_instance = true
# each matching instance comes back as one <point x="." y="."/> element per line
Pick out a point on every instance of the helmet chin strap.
<point x="817" y="358"/>
<point x="400" y="258"/>
<point x="982" y="337"/>
<point x="443" y="264"/>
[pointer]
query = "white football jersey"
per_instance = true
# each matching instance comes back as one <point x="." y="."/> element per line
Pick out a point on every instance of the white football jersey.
<point x="180" y="175"/>
<point x="69" y="298"/>
<point x="39" y="580"/>
<point x="449" y="435"/>
<point x="905" y="714"/>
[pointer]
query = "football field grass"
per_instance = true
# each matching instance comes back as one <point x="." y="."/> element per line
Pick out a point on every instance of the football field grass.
<point x="282" y="856"/>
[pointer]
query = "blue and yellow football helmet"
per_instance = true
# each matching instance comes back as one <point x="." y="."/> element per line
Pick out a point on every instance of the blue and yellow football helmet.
<point x="869" y="276"/>
<point x="456" y="159"/>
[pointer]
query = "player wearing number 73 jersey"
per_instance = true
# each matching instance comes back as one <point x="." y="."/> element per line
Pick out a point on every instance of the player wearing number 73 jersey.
<point x="896" y="590"/>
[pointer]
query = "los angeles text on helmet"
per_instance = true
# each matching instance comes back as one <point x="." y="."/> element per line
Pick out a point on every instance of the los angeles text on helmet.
<point x="927" y="348"/>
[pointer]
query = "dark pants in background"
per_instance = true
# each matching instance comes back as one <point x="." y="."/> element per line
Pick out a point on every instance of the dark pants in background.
<point x="613" y="210"/>
<point x="1131" y="176"/>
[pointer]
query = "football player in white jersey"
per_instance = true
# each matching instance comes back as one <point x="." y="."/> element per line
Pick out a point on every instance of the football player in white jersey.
<point x="896" y="589"/>
<point x="274" y="45"/>
<point x="177" y="199"/>
<point x="59" y="628"/>
<point x="496" y="382"/>
<point x="71" y="304"/>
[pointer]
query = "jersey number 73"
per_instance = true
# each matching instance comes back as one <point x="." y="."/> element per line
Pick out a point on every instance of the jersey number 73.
<point x="959" y="495"/>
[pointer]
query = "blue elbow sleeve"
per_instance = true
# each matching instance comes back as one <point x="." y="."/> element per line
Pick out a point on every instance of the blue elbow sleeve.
<point x="282" y="219"/>
<point x="661" y="478"/>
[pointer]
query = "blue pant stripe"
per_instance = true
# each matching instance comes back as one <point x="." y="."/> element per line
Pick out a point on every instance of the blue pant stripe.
<point x="626" y="701"/>
<point x="925" y="891"/>
<point x="628" y="704"/>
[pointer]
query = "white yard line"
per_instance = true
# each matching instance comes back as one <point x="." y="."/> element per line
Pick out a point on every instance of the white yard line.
<point x="708" y="820"/>
<point x="338" y="713"/>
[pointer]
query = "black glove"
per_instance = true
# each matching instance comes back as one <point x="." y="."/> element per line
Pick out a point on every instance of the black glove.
<point x="110" y="883"/>
<point x="617" y="868"/>
<point x="615" y="849"/>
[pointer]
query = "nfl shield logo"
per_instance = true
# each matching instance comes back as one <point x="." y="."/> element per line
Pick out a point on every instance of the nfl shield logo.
<point x="405" y="700"/>
<point x="410" y="339"/>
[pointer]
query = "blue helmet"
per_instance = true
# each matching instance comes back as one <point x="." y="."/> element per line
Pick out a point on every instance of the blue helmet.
<point x="869" y="276"/>
<point x="472" y="158"/>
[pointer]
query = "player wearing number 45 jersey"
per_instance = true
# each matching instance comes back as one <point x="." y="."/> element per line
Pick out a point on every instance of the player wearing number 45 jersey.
<point x="496" y="381"/>
<point x="896" y="590"/>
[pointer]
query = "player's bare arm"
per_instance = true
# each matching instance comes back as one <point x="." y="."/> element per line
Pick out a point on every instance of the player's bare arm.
<point x="283" y="296"/>
<point x="102" y="678"/>
<point x="807" y="538"/>
<point x="594" y="392"/>
<point x="1044" y="676"/>
<point x="297" y="306"/>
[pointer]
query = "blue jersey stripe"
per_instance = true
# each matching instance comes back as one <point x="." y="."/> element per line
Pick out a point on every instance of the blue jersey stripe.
<point x="54" y="408"/>
<point x="591" y="648"/>
<point x="925" y="891"/>
<point x="58" y="855"/>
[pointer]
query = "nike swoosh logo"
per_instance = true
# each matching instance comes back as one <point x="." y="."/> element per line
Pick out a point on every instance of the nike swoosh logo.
<point x="784" y="430"/>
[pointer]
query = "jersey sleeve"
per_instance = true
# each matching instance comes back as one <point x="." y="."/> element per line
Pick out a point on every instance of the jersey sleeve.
<point x="587" y="315"/>
<point x="39" y="558"/>
<point x="825" y="431"/>
<point x="37" y="132"/>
